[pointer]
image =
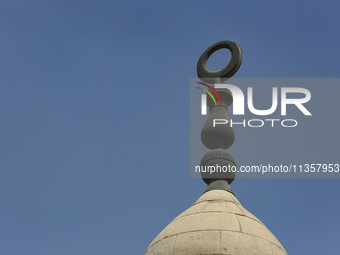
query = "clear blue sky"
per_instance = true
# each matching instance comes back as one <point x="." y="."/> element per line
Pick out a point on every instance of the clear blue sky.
<point x="84" y="167"/>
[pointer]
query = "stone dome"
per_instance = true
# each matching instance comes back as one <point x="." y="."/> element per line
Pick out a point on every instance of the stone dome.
<point x="217" y="224"/>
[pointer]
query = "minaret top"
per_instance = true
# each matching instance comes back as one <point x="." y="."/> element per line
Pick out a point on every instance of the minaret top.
<point x="217" y="223"/>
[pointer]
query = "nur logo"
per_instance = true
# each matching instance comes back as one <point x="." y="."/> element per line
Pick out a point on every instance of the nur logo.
<point x="238" y="99"/>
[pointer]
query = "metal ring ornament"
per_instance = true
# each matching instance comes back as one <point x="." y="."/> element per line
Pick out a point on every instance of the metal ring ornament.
<point x="225" y="73"/>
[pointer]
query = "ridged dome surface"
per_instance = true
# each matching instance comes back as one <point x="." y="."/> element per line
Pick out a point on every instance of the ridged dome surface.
<point x="217" y="224"/>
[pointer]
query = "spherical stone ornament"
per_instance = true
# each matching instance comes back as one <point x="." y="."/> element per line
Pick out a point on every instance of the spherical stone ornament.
<point x="218" y="164"/>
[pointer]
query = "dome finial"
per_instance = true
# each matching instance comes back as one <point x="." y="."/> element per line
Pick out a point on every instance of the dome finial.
<point x="217" y="223"/>
<point x="218" y="138"/>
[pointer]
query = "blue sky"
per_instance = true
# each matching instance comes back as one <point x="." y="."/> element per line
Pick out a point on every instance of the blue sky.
<point x="94" y="106"/>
